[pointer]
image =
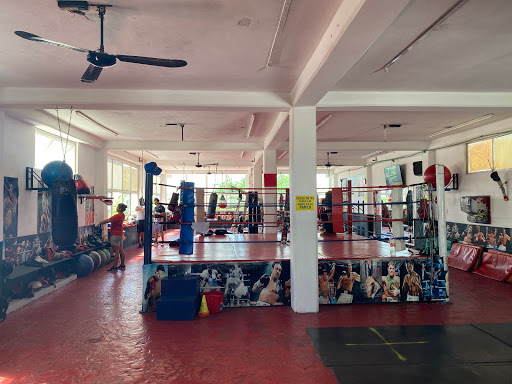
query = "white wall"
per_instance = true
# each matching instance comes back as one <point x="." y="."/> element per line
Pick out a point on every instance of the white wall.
<point x="454" y="158"/>
<point x="91" y="164"/>
<point x="17" y="154"/>
<point x="17" y="145"/>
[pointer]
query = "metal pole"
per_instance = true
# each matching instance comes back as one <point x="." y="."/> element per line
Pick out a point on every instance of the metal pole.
<point x="148" y="218"/>
<point x="441" y="227"/>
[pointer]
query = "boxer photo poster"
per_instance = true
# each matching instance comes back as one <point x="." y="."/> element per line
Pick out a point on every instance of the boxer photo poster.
<point x="261" y="284"/>
<point x="377" y="280"/>
<point x="11" y="194"/>
<point x="44" y="212"/>
<point x="89" y="211"/>
<point x="491" y="237"/>
<point x="152" y="275"/>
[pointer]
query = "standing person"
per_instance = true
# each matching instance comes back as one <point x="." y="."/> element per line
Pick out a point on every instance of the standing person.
<point x="116" y="237"/>
<point x="140" y="210"/>
<point x="159" y="214"/>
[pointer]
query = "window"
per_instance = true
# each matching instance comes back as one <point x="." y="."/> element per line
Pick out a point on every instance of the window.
<point x="48" y="148"/>
<point x="122" y="185"/>
<point x="489" y="154"/>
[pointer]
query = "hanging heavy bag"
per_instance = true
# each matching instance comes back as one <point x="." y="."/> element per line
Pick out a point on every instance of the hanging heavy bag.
<point x="212" y="206"/>
<point x="174" y="202"/>
<point x="64" y="213"/>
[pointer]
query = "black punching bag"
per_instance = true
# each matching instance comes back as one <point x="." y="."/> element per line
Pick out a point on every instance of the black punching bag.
<point x="212" y="206"/>
<point x="64" y="213"/>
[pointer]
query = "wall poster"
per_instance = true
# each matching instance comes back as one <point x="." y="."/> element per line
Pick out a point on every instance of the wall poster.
<point x="44" y="212"/>
<point x="380" y="280"/>
<point x="11" y="194"/>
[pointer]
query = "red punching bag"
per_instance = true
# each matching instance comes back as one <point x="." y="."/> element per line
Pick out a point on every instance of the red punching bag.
<point x="430" y="175"/>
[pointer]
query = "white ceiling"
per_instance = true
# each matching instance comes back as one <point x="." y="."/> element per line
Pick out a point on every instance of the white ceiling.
<point x="328" y="49"/>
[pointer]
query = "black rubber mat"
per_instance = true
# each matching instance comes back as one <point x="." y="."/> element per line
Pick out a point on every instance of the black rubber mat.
<point x="502" y="332"/>
<point x="440" y="354"/>
<point x="420" y="374"/>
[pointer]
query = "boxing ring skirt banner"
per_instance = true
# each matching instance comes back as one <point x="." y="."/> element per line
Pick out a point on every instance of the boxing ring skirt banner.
<point x="389" y="280"/>
<point x="258" y="283"/>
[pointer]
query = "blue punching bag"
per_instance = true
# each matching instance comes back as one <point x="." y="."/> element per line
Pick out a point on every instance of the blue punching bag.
<point x="64" y="212"/>
<point x="187" y="216"/>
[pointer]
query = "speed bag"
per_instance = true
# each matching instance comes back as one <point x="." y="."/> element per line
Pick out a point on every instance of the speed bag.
<point x="212" y="206"/>
<point x="64" y="213"/>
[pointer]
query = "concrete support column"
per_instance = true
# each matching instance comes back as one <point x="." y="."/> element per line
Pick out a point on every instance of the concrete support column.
<point x="303" y="231"/>
<point x="431" y="159"/>
<point x="370" y="209"/>
<point x="269" y="198"/>
<point x="256" y="174"/>
<point x="100" y="187"/>
<point x="162" y="179"/>
<point x="2" y="166"/>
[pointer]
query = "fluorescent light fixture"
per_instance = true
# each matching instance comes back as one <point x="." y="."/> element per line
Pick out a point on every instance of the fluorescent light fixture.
<point x="279" y="31"/>
<point x="323" y="120"/>
<point x="282" y="154"/>
<point x="81" y="114"/>
<point x="371" y="154"/>
<point x="250" y="125"/>
<point x="152" y="154"/>
<point x="432" y="27"/>
<point x="452" y="128"/>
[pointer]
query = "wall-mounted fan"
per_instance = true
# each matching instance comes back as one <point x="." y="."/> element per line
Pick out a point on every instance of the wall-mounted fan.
<point x="100" y="59"/>
<point x="199" y="165"/>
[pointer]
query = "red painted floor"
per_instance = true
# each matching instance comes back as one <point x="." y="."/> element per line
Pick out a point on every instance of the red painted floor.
<point x="91" y="332"/>
<point x="259" y="247"/>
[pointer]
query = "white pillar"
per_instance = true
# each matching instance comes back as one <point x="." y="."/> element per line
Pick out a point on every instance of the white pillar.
<point x="269" y="198"/>
<point x="100" y="186"/>
<point x="200" y="202"/>
<point x="2" y="166"/>
<point x="397" y="212"/>
<point x="441" y="220"/>
<point x="303" y="231"/>
<point x="370" y="209"/>
<point x="256" y="174"/>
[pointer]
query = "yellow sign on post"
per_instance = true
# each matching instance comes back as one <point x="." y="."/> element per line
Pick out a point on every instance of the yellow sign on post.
<point x="304" y="203"/>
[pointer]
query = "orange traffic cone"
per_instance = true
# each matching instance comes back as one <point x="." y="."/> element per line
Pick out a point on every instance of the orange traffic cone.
<point x="203" y="311"/>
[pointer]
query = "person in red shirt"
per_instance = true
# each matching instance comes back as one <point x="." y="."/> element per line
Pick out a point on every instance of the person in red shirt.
<point x="116" y="237"/>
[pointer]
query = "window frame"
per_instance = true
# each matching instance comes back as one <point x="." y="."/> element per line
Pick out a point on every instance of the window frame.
<point x="110" y="183"/>
<point x="493" y="155"/>
<point x="72" y="145"/>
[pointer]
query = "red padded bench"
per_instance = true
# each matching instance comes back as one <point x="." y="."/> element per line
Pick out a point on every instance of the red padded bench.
<point x="465" y="257"/>
<point x="496" y="265"/>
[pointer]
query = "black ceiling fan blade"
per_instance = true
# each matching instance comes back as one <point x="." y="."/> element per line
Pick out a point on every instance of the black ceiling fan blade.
<point x="39" y="39"/>
<point x="152" y="61"/>
<point x="91" y="74"/>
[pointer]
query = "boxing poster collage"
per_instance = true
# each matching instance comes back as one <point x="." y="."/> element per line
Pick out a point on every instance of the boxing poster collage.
<point x="381" y="280"/>
<point x="497" y="238"/>
<point x="262" y="284"/>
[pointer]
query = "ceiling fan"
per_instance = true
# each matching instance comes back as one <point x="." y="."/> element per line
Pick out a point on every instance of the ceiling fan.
<point x="100" y="59"/>
<point x="199" y="165"/>
<point x="329" y="164"/>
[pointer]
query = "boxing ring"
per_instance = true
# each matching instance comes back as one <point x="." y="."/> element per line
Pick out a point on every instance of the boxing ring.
<point x="253" y="269"/>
